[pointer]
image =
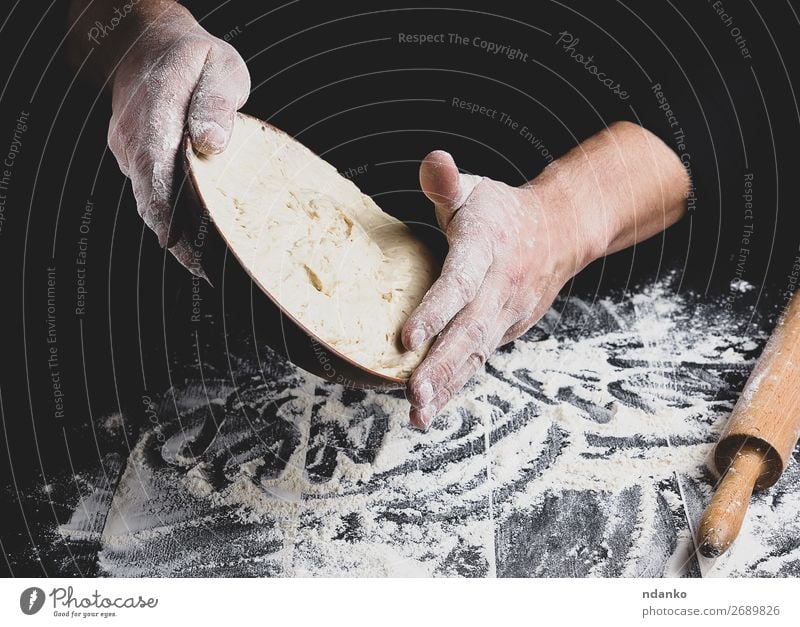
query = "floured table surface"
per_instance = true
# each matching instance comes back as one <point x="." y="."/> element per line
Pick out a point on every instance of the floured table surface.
<point x="582" y="450"/>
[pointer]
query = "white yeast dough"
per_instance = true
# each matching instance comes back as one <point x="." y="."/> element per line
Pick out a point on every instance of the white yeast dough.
<point x="346" y="270"/>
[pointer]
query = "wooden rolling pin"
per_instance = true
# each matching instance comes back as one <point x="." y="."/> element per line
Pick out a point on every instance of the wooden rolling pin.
<point x="760" y="436"/>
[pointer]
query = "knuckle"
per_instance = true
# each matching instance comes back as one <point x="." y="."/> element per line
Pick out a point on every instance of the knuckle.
<point x="514" y="311"/>
<point x="237" y="67"/>
<point x="478" y="358"/>
<point x="436" y="321"/>
<point x="121" y="140"/>
<point x="134" y="148"/>
<point x="225" y="51"/>
<point x="194" y="49"/>
<point x="446" y="395"/>
<point x="441" y="374"/>
<point x="226" y="68"/>
<point x="465" y="225"/>
<point x="477" y="330"/>
<point x="142" y="162"/>
<point x="464" y="286"/>
<point x="475" y="361"/>
<point x="151" y="187"/>
<point x="426" y="317"/>
<point x="214" y="102"/>
<point x="113" y="137"/>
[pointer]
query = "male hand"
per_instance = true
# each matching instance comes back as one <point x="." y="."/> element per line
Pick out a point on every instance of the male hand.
<point x="174" y="74"/>
<point x="513" y="248"/>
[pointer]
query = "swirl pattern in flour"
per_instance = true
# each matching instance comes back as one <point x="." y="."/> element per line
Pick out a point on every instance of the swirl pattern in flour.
<point x="580" y="451"/>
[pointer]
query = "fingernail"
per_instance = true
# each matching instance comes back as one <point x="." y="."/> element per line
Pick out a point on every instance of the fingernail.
<point x="422" y="418"/>
<point x="211" y="136"/>
<point x="216" y="136"/>
<point x="416" y="338"/>
<point x="425" y="393"/>
<point x="427" y="414"/>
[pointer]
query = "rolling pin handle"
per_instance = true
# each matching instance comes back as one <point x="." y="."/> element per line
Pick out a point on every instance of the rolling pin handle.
<point x="725" y="514"/>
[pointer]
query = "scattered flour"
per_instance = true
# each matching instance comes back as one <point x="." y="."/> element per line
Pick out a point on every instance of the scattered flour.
<point x="581" y="450"/>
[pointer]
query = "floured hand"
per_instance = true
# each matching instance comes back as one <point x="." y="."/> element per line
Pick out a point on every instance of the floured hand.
<point x="508" y="258"/>
<point x="513" y="248"/>
<point x="174" y="74"/>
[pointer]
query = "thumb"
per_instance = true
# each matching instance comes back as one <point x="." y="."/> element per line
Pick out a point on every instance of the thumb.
<point x="444" y="186"/>
<point x="223" y="87"/>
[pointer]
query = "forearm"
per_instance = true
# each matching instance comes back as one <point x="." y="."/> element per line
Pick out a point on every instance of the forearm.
<point x="108" y="30"/>
<point x="513" y="248"/>
<point x="619" y="187"/>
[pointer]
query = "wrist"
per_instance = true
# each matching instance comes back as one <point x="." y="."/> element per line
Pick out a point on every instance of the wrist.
<point x="570" y="216"/>
<point x="646" y="182"/>
<point x="619" y="187"/>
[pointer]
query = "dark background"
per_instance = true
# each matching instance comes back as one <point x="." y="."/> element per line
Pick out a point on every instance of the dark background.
<point x="335" y="76"/>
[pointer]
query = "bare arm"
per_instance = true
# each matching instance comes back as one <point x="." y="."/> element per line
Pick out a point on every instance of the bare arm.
<point x="635" y="184"/>
<point x="513" y="248"/>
